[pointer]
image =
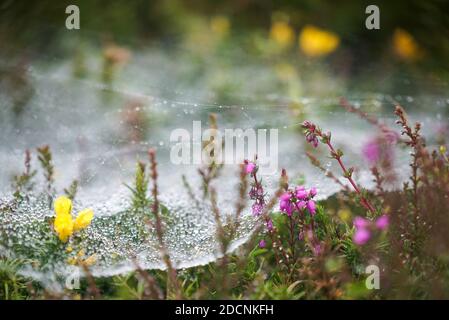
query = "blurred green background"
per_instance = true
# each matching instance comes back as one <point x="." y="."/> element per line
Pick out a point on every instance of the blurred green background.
<point x="29" y="28"/>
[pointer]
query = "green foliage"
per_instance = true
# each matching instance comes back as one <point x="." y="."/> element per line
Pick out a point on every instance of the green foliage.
<point x="139" y="192"/>
<point x="72" y="190"/>
<point x="12" y="285"/>
<point x="46" y="160"/>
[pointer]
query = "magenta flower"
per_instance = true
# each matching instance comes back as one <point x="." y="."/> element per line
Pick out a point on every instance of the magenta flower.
<point x="371" y="151"/>
<point x="270" y="225"/>
<point x="311" y="134"/>
<point x="382" y="222"/>
<point x="301" y="193"/>
<point x="316" y="249"/>
<point x="262" y="243"/>
<point x="257" y="209"/>
<point x="286" y="196"/>
<point x="301" y="204"/>
<point x="250" y="166"/>
<point x="363" y="226"/>
<point x="311" y="207"/>
<point x="286" y="206"/>
<point x="298" y="200"/>
<point x="361" y="236"/>
<point x="312" y="192"/>
<point x="380" y="148"/>
<point x="360" y="223"/>
<point x="256" y="192"/>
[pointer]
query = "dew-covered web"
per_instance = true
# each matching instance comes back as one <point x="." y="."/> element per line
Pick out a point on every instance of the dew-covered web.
<point x="87" y="125"/>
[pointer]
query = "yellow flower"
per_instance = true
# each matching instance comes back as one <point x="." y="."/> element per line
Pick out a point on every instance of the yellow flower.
<point x="64" y="225"/>
<point x="63" y="205"/>
<point x="315" y="42"/>
<point x="220" y="25"/>
<point x="344" y="215"/>
<point x="405" y="45"/>
<point x="83" y="219"/>
<point x="282" y="33"/>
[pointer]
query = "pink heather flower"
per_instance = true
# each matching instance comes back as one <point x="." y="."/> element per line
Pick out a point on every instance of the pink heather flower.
<point x="361" y="236"/>
<point x="286" y="206"/>
<point x="391" y="136"/>
<point x="312" y="192"/>
<point x="316" y="249"/>
<point x="312" y="139"/>
<point x="360" y="223"/>
<point x="371" y="151"/>
<point x="382" y="222"/>
<point x="256" y="191"/>
<point x="311" y="207"/>
<point x="301" y="193"/>
<point x="262" y="243"/>
<point x="301" y="204"/>
<point x="301" y="236"/>
<point x="250" y="166"/>
<point x="285" y="196"/>
<point x="257" y="209"/>
<point x="308" y="125"/>
<point x="270" y="225"/>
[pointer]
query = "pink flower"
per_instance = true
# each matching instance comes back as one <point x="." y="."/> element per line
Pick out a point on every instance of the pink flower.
<point x="380" y="148"/>
<point x="256" y="192"/>
<point x="250" y="166"/>
<point x="311" y="133"/>
<point x="301" y="193"/>
<point x="316" y="249"/>
<point x="382" y="222"/>
<point x="371" y="151"/>
<point x="311" y="207"/>
<point x="270" y="225"/>
<point x="361" y="236"/>
<point x="285" y="205"/>
<point x="262" y="243"/>
<point x="360" y="223"/>
<point x="312" y="192"/>
<point x="285" y="196"/>
<point x="301" y="204"/>
<point x="257" y="209"/>
<point x="312" y="139"/>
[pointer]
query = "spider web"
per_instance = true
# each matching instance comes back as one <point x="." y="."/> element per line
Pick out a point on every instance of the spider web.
<point x="85" y="123"/>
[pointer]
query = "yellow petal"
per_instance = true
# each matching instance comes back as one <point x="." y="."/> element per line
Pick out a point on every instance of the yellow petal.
<point x="63" y="205"/>
<point x="63" y="226"/>
<point x="220" y="25"/>
<point x="83" y="219"/>
<point x="282" y="33"/>
<point x="405" y="45"/>
<point x="316" y="42"/>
